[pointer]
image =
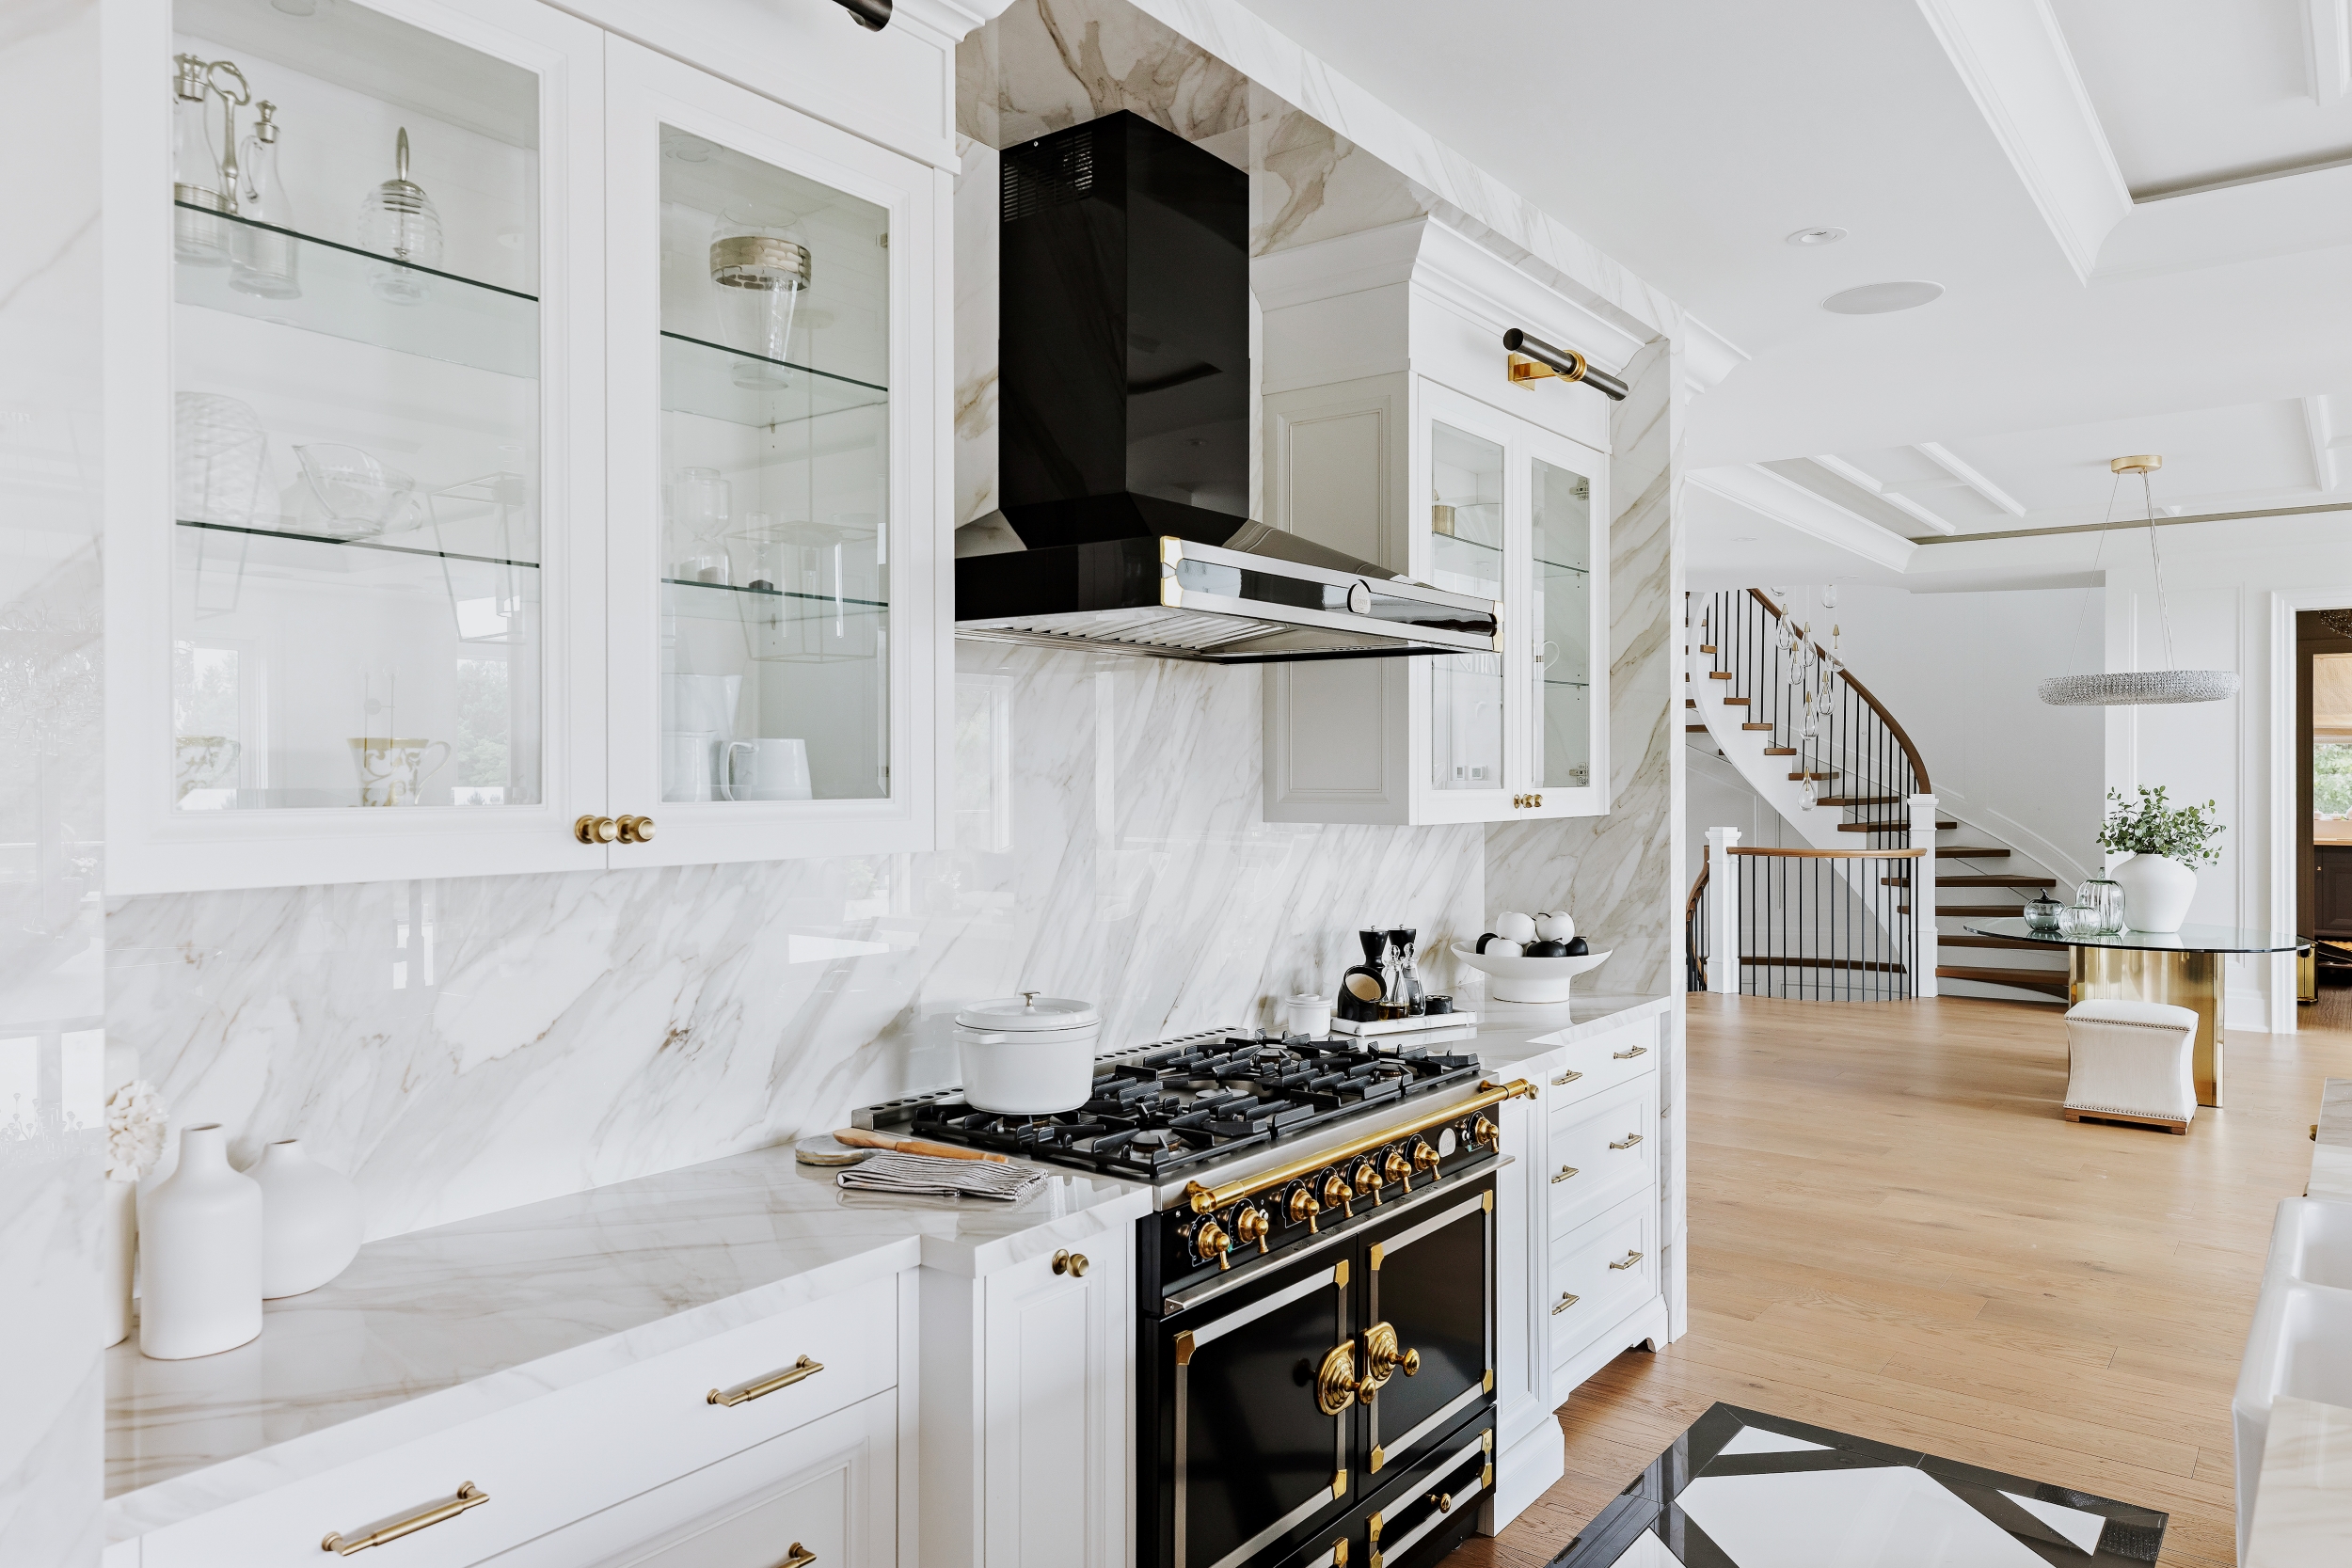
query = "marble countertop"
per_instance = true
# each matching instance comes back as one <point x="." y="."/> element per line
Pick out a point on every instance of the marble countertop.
<point x="440" y="1327"/>
<point x="2332" y="1151"/>
<point x="2303" y="1509"/>
<point x="1510" y="1031"/>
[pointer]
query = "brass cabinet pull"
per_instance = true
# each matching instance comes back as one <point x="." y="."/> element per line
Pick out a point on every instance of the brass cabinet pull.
<point x="743" y="1393"/>
<point x="635" y="830"/>
<point x="468" y="1495"/>
<point x="799" y="1556"/>
<point x="1566" y="1078"/>
<point x="1566" y="1171"/>
<point x="1631" y="1139"/>
<point x="1565" y="1302"/>
<point x="595" y="830"/>
<point x="1075" y="1264"/>
<point x="1628" y="1055"/>
<point x="1627" y="1262"/>
<point x="1444" y="1501"/>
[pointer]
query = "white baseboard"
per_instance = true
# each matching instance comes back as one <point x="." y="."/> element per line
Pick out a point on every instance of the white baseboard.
<point x="1524" y="1472"/>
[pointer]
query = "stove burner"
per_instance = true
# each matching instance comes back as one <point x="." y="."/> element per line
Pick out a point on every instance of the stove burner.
<point x="1182" y="1105"/>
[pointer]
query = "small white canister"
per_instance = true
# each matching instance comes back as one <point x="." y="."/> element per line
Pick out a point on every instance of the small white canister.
<point x="1027" y="1056"/>
<point x="1308" y="1014"/>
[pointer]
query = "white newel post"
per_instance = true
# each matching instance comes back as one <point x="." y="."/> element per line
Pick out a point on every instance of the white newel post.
<point x="1923" y="890"/>
<point x="1723" y="911"/>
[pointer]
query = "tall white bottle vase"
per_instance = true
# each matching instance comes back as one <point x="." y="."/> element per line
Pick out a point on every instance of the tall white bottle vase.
<point x="309" y="1220"/>
<point x="122" y="1247"/>
<point x="200" y="1291"/>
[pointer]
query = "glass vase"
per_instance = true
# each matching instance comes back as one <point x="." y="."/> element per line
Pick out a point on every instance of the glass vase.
<point x="2104" y="896"/>
<point x="398" y="220"/>
<point x="759" y="271"/>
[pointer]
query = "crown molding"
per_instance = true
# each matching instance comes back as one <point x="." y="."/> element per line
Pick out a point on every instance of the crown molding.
<point x="1785" y="501"/>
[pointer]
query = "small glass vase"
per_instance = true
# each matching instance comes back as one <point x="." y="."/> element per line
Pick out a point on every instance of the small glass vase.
<point x="2078" y="920"/>
<point x="2104" y="896"/>
<point x="759" y="271"/>
<point x="398" y="220"/>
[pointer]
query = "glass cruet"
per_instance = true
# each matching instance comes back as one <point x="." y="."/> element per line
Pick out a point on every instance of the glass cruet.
<point x="264" y="261"/>
<point x="398" y="220"/>
<point x="199" y="179"/>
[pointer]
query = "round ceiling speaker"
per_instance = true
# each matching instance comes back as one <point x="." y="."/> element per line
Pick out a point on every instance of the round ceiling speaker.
<point x="1877" y="300"/>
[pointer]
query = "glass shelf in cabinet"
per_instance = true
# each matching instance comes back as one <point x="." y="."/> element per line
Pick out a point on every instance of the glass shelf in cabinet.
<point x="296" y="536"/>
<point x="720" y="601"/>
<point x="459" y="322"/>
<point x="1482" y="545"/>
<point x="703" y="378"/>
<point x="1581" y="685"/>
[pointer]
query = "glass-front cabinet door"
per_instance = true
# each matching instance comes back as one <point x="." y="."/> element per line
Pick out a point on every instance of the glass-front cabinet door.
<point x="1566" y="638"/>
<point x="772" y="673"/>
<point x="351" y="502"/>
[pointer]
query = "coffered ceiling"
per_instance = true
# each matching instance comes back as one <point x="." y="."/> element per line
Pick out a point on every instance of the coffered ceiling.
<point x="2140" y="211"/>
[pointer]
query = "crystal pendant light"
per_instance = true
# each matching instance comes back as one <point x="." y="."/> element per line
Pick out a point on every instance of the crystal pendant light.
<point x="2135" y="688"/>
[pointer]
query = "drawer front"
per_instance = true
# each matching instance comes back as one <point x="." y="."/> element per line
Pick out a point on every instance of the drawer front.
<point x="563" y="1456"/>
<point x="1591" y="1066"/>
<point x="823" y="1496"/>
<point x="1603" y="1150"/>
<point x="1600" y="1272"/>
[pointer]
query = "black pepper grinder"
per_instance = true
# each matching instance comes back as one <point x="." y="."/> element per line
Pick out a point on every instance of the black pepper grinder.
<point x="1363" y="987"/>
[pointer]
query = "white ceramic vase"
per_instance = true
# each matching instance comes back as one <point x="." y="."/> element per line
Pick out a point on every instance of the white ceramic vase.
<point x="309" y="1220"/>
<point x="119" y="1248"/>
<point x="2156" y="890"/>
<point x="200" y="1291"/>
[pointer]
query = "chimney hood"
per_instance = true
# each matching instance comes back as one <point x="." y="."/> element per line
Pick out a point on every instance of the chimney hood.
<point x="1124" y="415"/>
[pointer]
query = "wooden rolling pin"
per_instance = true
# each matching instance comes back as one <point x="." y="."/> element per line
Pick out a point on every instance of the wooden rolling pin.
<point x="858" y="1137"/>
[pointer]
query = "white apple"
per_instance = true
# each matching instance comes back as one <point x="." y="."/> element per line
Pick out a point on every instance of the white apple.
<point x="1503" y="947"/>
<point x="1519" y="929"/>
<point x="1556" y="927"/>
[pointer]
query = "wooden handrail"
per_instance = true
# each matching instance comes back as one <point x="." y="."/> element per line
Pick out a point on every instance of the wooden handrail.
<point x="1834" y="854"/>
<point x="1690" y="905"/>
<point x="1919" y="766"/>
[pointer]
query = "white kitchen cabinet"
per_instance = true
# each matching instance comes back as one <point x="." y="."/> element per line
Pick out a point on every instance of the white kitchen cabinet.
<point x="440" y="532"/>
<point x="1057" y="1424"/>
<point x="1438" y="466"/>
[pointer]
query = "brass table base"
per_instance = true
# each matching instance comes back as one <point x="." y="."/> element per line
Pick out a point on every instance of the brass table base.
<point x="2191" y="980"/>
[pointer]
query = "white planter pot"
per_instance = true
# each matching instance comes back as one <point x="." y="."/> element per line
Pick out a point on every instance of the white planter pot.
<point x="310" y="1220"/>
<point x="119" y="1250"/>
<point x="200" y="1291"/>
<point x="2156" y="890"/>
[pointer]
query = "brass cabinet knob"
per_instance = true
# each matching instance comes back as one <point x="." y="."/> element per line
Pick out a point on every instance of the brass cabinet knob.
<point x="1424" y="1157"/>
<point x="1335" y="1380"/>
<point x="1252" y="1224"/>
<point x="1444" y="1501"/>
<point x="595" y="830"/>
<point x="1397" y="1167"/>
<point x="1072" y="1263"/>
<point x="1211" y="1240"/>
<point x="1304" y="1207"/>
<point x="1337" y="1194"/>
<point x="635" y="830"/>
<point x="1484" y="1132"/>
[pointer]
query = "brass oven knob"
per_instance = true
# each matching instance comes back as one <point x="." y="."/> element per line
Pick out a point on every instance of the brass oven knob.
<point x="1338" y="1193"/>
<point x="1366" y="1180"/>
<point x="1304" y="1207"/>
<point x="1424" y="1157"/>
<point x="1252" y="1224"/>
<point x="1484" y="1132"/>
<point x="1397" y="1168"/>
<point x="595" y="830"/>
<point x="635" y="830"/>
<point x="1211" y="1240"/>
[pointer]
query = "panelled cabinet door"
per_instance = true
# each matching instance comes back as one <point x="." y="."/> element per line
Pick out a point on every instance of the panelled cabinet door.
<point x="1057" y="1411"/>
<point x="354" y="499"/>
<point x="772" y="434"/>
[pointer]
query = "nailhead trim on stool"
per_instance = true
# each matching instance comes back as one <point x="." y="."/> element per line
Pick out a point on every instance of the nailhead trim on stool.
<point x="2130" y="1061"/>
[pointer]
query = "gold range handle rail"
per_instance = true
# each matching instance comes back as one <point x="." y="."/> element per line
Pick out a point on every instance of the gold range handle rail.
<point x="1204" y="1199"/>
<point x="468" y="1495"/>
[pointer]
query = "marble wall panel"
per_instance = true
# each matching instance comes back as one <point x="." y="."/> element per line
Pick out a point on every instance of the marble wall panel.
<point x="1617" y="873"/>
<point x="466" y="1045"/>
<point x="52" y="800"/>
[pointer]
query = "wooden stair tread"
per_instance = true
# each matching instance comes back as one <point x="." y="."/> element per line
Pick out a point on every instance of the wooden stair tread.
<point x="1776" y="961"/>
<point x="1753" y="725"/>
<point x="1735" y="701"/>
<point x="1860" y="800"/>
<point x="1968" y="852"/>
<point x="1707" y="647"/>
<point x="1970" y="938"/>
<point x="1997" y="880"/>
<point x="1884" y="827"/>
<point x="1689" y="701"/>
<point x="1719" y="674"/>
<point x="2049" y="981"/>
<point x="1782" y="752"/>
<point x="1694" y="729"/>
<point x="1981" y="911"/>
<point x="1794" y="776"/>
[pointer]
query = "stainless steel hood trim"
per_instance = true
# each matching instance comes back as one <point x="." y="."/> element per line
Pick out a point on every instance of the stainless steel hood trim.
<point x="1196" y="602"/>
<point x="1173" y="549"/>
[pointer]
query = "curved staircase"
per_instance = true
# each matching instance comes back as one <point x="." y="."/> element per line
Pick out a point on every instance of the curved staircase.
<point x="1847" y="783"/>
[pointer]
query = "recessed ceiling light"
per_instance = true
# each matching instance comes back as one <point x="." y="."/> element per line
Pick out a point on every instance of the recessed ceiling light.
<point x="1817" y="236"/>
<point x="1876" y="299"/>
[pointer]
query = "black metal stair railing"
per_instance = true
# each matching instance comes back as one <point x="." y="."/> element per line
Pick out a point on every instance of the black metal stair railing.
<point x="1827" y="925"/>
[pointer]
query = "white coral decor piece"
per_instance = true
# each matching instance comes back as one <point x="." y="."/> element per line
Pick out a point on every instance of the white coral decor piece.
<point x="135" y="1123"/>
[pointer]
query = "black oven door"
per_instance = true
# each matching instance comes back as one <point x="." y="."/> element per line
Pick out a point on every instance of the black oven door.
<point x="1429" y="1340"/>
<point x="1257" y="1417"/>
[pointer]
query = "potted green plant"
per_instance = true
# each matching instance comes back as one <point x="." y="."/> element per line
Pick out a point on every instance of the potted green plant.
<point x="2166" y="843"/>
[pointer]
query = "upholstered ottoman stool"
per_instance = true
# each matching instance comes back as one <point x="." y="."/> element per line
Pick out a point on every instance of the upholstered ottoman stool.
<point x="2129" y="1061"/>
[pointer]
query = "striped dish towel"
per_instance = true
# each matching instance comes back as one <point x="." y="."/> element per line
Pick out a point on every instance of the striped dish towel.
<point x="929" y="1176"/>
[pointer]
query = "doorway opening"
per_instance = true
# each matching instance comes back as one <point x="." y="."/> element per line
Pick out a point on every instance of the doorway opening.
<point x="2323" y="724"/>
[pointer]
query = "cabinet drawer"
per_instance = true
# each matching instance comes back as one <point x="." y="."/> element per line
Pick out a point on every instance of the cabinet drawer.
<point x="1588" y="1067"/>
<point x="1606" y="1148"/>
<point x="564" y="1455"/>
<point x="1601" y="1271"/>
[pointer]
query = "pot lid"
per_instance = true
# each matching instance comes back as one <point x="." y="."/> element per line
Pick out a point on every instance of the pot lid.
<point x="1030" y="1011"/>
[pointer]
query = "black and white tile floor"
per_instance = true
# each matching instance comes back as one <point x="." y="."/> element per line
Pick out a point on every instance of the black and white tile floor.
<point x="1741" y="1489"/>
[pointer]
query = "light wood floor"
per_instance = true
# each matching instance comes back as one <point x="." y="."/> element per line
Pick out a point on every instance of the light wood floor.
<point x="1893" y="1234"/>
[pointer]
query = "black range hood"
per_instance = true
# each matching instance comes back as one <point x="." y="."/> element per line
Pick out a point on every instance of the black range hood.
<point x="1124" y="412"/>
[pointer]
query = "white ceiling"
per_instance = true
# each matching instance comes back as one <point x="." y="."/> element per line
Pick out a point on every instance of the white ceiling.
<point x="2004" y="149"/>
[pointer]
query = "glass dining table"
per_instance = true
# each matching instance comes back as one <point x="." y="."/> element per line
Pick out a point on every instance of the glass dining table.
<point x="2182" y="967"/>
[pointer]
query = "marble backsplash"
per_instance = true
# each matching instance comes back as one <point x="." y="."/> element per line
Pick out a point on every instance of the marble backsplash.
<point x="466" y="1045"/>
